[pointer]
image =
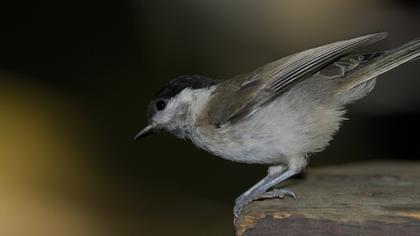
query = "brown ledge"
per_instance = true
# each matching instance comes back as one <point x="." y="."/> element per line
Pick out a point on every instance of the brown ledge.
<point x="369" y="198"/>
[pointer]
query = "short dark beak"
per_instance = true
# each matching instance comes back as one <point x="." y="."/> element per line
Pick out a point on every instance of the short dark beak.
<point x="148" y="130"/>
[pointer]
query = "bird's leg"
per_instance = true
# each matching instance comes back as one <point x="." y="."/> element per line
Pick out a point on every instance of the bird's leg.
<point x="275" y="176"/>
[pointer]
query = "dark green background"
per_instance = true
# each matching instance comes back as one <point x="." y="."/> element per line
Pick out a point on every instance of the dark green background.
<point x="90" y="68"/>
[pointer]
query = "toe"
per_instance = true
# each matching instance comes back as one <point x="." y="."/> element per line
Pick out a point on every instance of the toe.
<point x="287" y="192"/>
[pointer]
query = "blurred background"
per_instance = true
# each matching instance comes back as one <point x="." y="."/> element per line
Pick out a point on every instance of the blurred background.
<point x="76" y="78"/>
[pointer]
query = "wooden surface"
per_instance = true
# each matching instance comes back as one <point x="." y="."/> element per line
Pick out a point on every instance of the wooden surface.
<point x="368" y="198"/>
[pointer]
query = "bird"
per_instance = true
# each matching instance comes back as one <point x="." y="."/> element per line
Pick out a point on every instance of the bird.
<point x="277" y="115"/>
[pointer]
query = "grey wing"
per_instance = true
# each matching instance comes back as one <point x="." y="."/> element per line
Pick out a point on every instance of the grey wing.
<point x="344" y="65"/>
<point x="243" y="95"/>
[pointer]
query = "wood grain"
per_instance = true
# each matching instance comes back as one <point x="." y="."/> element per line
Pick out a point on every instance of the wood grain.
<point x="368" y="198"/>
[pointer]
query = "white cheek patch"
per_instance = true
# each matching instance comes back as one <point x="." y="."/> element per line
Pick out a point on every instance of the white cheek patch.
<point x="175" y="107"/>
<point x="163" y="117"/>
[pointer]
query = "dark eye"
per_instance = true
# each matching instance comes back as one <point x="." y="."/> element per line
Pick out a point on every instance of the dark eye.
<point x="160" y="105"/>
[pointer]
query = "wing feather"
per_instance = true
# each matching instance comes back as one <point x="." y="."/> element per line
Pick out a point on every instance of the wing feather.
<point x="243" y="95"/>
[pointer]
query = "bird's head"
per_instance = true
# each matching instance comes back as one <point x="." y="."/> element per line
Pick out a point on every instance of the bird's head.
<point x="169" y="108"/>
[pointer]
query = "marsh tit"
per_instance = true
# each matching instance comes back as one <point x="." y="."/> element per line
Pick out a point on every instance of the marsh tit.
<point x="277" y="114"/>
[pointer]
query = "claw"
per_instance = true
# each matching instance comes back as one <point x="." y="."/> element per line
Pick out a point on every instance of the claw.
<point x="275" y="193"/>
<point x="259" y="190"/>
<point x="285" y="192"/>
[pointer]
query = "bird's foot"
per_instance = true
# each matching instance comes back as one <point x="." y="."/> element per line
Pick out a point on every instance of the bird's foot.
<point x="242" y="201"/>
<point x="276" y="193"/>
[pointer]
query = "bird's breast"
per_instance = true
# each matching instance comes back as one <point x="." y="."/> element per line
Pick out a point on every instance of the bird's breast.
<point x="271" y="135"/>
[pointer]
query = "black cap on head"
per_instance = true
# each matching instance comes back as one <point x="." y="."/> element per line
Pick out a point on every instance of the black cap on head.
<point x="170" y="90"/>
<point x="175" y="86"/>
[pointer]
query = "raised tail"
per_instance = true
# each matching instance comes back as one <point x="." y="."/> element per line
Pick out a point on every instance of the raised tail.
<point x="381" y="64"/>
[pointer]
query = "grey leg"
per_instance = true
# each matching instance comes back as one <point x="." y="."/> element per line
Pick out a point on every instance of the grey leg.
<point x="259" y="190"/>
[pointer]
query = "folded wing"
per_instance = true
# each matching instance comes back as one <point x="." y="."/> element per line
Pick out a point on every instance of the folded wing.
<point x="243" y="95"/>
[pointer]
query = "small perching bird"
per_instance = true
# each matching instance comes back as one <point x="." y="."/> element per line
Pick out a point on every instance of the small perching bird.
<point x="278" y="114"/>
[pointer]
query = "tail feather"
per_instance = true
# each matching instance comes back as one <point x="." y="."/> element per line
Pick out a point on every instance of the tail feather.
<point x="381" y="64"/>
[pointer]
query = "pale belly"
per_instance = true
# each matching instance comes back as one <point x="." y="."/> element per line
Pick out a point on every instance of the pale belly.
<point x="240" y="148"/>
<point x="272" y="135"/>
